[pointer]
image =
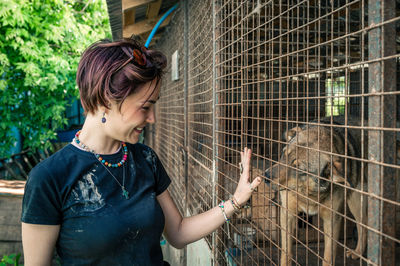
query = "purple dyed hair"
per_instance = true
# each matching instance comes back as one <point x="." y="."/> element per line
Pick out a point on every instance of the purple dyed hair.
<point x="108" y="72"/>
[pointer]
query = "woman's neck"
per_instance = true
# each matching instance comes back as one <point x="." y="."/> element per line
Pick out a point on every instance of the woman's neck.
<point x="93" y="135"/>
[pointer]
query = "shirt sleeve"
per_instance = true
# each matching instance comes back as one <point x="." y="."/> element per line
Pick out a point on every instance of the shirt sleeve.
<point x="162" y="178"/>
<point x="41" y="201"/>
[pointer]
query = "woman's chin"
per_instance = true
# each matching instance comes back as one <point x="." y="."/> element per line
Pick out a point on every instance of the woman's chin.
<point x="133" y="138"/>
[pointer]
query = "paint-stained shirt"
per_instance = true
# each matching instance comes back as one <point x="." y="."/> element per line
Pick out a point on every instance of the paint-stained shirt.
<point x="98" y="225"/>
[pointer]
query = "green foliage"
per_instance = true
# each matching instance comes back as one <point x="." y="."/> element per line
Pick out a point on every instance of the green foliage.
<point x="40" y="45"/>
<point x="11" y="259"/>
<point x="337" y="104"/>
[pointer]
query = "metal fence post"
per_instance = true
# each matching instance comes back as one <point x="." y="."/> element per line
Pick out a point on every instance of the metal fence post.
<point x="185" y="104"/>
<point x="215" y="127"/>
<point x="381" y="113"/>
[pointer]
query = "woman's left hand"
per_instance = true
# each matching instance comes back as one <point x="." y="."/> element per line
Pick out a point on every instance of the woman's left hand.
<point x="245" y="187"/>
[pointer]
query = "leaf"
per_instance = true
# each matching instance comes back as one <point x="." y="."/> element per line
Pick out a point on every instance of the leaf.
<point x="3" y="85"/>
<point x="4" y="60"/>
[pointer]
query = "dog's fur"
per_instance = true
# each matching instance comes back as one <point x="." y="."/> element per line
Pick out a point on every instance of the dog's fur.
<point x="312" y="182"/>
<point x="264" y="211"/>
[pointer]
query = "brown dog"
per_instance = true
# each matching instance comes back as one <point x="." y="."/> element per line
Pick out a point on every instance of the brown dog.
<point x="311" y="178"/>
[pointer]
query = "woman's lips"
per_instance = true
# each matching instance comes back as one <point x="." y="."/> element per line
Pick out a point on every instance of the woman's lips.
<point x="139" y="129"/>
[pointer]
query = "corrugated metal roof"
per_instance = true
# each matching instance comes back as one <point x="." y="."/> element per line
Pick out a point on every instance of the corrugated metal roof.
<point x="115" y="16"/>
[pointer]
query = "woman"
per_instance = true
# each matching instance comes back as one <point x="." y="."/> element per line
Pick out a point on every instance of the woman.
<point x="103" y="199"/>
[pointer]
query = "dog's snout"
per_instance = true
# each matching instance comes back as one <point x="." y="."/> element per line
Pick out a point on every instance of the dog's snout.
<point x="267" y="175"/>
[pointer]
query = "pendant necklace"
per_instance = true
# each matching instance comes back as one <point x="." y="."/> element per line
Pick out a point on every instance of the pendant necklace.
<point x="107" y="165"/>
<point x="125" y="193"/>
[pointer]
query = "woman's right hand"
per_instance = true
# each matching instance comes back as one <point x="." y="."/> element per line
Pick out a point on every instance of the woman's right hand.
<point x="245" y="187"/>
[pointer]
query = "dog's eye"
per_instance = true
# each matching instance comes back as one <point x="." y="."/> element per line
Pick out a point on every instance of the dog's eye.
<point x="325" y="172"/>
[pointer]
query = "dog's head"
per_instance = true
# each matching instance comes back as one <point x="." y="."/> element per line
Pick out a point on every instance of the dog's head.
<point x="302" y="166"/>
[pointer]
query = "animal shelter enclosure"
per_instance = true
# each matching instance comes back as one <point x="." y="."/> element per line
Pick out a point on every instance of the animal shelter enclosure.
<point x="312" y="87"/>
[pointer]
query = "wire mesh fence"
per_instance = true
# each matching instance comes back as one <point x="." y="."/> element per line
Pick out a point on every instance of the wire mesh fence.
<point x="313" y="88"/>
<point x="167" y="136"/>
<point x="200" y="108"/>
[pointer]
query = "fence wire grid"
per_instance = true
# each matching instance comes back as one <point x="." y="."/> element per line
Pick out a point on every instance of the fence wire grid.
<point x="313" y="88"/>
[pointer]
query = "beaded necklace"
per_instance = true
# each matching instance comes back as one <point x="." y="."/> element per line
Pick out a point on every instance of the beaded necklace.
<point x="106" y="164"/>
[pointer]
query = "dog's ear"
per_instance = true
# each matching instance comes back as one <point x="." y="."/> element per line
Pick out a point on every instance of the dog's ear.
<point x="337" y="172"/>
<point x="289" y="134"/>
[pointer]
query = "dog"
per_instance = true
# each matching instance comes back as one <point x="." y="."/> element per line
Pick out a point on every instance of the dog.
<point x="264" y="210"/>
<point x="311" y="178"/>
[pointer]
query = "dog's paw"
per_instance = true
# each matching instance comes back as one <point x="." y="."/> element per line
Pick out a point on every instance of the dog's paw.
<point x="352" y="254"/>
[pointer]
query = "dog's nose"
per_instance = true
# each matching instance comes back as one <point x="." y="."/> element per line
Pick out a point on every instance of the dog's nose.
<point x="267" y="175"/>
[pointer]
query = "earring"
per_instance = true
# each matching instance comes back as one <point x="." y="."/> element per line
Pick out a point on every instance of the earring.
<point x="103" y="119"/>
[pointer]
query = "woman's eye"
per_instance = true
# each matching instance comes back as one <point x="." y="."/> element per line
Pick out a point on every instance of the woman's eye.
<point x="145" y="107"/>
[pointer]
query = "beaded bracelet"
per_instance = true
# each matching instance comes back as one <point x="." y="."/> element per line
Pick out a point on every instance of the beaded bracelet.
<point x="233" y="205"/>
<point x="221" y="205"/>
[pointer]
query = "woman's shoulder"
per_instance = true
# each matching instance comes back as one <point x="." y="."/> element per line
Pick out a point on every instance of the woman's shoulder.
<point x="142" y="151"/>
<point x="140" y="148"/>
<point x="59" y="163"/>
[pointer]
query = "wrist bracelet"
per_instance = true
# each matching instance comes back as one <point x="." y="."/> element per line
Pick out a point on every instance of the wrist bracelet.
<point x="235" y="207"/>
<point x="221" y="205"/>
<point x="235" y="204"/>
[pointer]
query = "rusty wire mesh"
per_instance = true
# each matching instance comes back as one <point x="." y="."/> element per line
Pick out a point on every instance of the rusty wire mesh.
<point x="168" y="133"/>
<point x="200" y="109"/>
<point x="313" y="88"/>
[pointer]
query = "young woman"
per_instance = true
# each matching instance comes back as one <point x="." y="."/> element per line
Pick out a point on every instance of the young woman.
<point x="103" y="199"/>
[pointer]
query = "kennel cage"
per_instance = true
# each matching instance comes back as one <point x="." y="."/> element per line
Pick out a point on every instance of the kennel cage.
<point x="250" y="71"/>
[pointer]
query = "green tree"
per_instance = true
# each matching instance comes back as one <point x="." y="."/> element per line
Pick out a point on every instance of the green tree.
<point x="40" y="45"/>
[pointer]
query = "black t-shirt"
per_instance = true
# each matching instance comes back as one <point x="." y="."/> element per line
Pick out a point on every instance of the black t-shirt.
<point x="99" y="226"/>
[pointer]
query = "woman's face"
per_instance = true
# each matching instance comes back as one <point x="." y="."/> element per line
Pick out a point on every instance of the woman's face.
<point x="136" y="112"/>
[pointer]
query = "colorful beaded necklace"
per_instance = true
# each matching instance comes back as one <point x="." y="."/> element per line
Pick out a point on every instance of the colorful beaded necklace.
<point x="105" y="164"/>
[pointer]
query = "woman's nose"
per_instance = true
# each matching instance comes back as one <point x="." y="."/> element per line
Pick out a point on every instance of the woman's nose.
<point x="151" y="117"/>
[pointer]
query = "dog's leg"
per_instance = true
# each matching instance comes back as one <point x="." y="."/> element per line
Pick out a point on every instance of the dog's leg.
<point x="360" y="213"/>
<point x="287" y="221"/>
<point x="331" y="233"/>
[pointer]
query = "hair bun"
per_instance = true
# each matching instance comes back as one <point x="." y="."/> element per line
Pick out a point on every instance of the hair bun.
<point x="157" y="58"/>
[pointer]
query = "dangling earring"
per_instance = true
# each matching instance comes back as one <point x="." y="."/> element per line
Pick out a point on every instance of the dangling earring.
<point x="103" y="119"/>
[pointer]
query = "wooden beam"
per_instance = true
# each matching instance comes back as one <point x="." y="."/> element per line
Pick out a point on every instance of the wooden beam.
<point x="126" y="4"/>
<point x="143" y="26"/>
<point x="154" y="39"/>
<point x="129" y="16"/>
<point x="153" y="9"/>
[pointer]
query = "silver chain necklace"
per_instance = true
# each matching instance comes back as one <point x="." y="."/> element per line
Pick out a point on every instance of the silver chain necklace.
<point x="125" y="193"/>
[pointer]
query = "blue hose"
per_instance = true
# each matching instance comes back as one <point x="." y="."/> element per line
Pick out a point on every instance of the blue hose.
<point x="153" y="32"/>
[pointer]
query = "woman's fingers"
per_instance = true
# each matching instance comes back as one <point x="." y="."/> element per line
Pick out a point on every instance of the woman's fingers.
<point x="245" y="158"/>
<point x="245" y="169"/>
<point x="245" y="187"/>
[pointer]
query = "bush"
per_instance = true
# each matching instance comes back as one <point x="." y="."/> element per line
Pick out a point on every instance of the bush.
<point x="40" y="45"/>
<point x="11" y="259"/>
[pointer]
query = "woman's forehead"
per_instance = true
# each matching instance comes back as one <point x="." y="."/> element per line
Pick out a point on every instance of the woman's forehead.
<point x="147" y="93"/>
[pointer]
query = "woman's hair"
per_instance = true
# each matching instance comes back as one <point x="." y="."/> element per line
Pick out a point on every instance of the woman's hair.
<point x="114" y="70"/>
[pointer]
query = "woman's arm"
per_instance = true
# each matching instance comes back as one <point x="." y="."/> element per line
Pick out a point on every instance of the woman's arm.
<point x="182" y="231"/>
<point x="38" y="242"/>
